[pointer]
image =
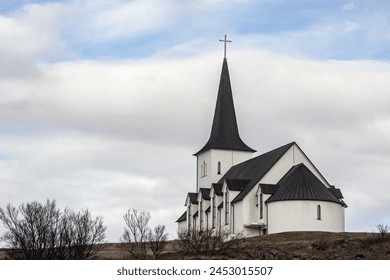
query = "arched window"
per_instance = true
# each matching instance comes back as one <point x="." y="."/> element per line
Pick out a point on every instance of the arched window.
<point x="219" y="168"/>
<point x="318" y="212"/>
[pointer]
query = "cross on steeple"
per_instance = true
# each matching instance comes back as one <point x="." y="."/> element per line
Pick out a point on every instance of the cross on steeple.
<point x="225" y="41"/>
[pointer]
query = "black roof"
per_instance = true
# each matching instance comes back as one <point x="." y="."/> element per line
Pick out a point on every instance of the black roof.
<point x="268" y="188"/>
<point x="205" y="193"/>
<point x="217" y="188"/>
<point x="300" y="183"/>
<point x="208" y="209"/>
<point x="220" y="205"/>
<point x="336" y="192"/>
<point x="254" y="169"/>
<point x="182" y="218"/>
<point x="224" y="131"/>
<point x="236" y="184"/>
<point x="196" y="214"/>
<point x="193" y="197"/>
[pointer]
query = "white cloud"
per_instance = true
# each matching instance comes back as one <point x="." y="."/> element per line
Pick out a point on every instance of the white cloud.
<point x="351" y="26"/>
<point x="114" y="135"/>
<point x="349" y="6"/>
<point x="32" y="31"/>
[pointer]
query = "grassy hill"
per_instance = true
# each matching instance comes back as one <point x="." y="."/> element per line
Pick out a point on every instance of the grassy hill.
<point x="281" y="246"/>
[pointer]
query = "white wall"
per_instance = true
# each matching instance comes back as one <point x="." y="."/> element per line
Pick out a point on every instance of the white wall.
<point x="228" y="158"/>
<point x="298" y="215"/>
<point x="182" y="226"/>
<point x="293" y="156"/>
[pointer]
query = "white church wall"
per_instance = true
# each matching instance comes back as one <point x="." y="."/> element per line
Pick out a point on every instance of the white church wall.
<point x="182" y="226"/>
<point x="280" y="168"/>
<point x="299" y="157"/>
<point x="298" y="215"/>
<point x="249" y="207"/>
<point x="218" y="201"/>
<point x="203" y="166"/>
<point x="208" y="164"/>
<point x="293" y="156"/>
<point x="237" y="219"/>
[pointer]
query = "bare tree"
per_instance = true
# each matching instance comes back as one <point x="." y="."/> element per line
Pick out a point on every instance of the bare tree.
<point x="383" y="230"/>
<point x="157" y="240"/>
<point x="135" y="235"/>
<point x="42" y="231"/>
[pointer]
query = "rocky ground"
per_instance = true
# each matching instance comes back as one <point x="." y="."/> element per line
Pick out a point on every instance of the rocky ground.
<point x="281" y="246"/>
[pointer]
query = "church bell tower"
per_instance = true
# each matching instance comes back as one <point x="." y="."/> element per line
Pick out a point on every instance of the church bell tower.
<point x="224" y="147"/>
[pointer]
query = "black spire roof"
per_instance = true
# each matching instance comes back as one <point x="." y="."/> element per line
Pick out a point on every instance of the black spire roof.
<point x="224" y="132"/>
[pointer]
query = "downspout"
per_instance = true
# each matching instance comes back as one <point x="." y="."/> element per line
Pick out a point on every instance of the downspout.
<point x="267" y="219"/>
<point x="232" y="213"/>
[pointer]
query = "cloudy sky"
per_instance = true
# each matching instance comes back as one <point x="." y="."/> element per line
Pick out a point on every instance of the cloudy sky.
<point x="103" y="103"/>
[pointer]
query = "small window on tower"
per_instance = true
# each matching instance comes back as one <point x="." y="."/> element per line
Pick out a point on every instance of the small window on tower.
<point x="219" y="168"/>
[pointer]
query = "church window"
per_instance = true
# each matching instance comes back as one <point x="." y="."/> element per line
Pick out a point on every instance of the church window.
<point x="261" y="207"/>
<point x="226" y="208"/>
<point x="318" y="212"/>
<point x="219" y="168"/>
<point x="203" y="169"/>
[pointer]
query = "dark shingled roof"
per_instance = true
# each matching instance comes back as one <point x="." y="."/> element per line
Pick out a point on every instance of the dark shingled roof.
<point x="217" y="188"/>
<point x="254" y="169"/>
<point x="236" y="184"/>
<point x="193" y="197"/>
<point x="336" y="192"/>
<point x="268" y="188"/>
<point x="205" y="193"/>
<point x="224" y="132"/>
<point x="182" y="217"/>
<point x="300" y="183"/>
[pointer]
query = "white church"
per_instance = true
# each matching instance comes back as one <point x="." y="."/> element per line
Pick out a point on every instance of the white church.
<point x="278" y="191"/>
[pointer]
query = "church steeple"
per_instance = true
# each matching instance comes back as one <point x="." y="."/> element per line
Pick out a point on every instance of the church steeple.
<point x="224" y="132"/>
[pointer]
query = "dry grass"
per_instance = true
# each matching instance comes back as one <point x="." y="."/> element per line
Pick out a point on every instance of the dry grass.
<point x="288" y="245"/>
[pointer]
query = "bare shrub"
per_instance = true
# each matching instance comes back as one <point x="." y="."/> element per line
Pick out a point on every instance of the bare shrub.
<point x="383" y="230"/>
<point x="138" y="238"/>
<point x="42" y="231"/>
<point x="157" y="239"/>
<point x="207" y="242"/>
<point x="135" y="235"/>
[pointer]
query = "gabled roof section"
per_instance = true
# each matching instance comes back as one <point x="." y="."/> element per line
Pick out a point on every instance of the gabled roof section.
<point x="205" y="193"/>
<point x="300" y="183"/>
<point x="193" y="197"/>
<point x="236" y="184"/>
<point x="217" y="188"/>
<point x="224" y="131"/>
<point x="182" y="218"/>
<point x="254" y="169"/>
<point x="268" y="188"/>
